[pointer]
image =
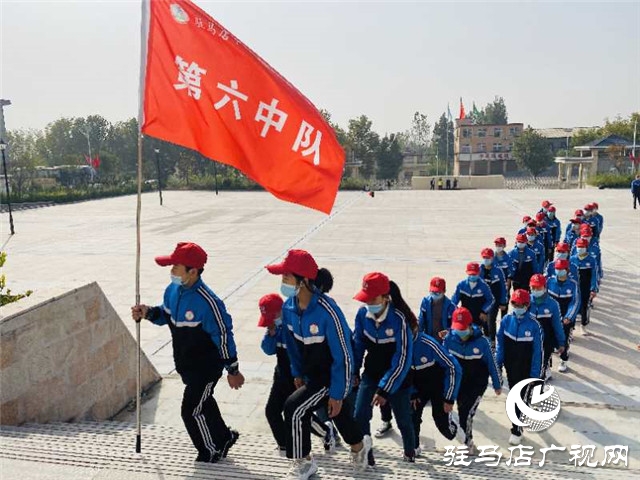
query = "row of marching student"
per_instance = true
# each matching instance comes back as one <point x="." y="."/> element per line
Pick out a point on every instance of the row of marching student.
<point x="329" y="378"/>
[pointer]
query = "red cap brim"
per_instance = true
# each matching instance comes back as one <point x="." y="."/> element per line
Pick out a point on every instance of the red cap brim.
<point x="436" y="290"/>
<point x="164" y="260"/>
<point x="264" y="321"/>
<point x="276" y="269"/>
<point x="363" y="297"/>
<point x="459" y="325"/>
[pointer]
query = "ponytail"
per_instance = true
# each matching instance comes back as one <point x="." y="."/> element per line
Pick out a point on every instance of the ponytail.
<point x="323" y="282"/>
<point x="400" y="304"/>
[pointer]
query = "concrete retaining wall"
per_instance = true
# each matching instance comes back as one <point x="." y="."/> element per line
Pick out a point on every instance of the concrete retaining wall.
<point x="464" y="182"/>
<point x="69" y="358"/>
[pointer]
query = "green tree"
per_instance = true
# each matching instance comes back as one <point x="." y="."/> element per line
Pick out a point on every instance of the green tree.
<point x="364" y="144"/>
<point x="389" y="158"/>
<point x="419" y="133"/>
<point x="22" y="159"/>
<point x="495" y="112"/>
<point x="6" y="296"/>
<point x="532" y="152"/>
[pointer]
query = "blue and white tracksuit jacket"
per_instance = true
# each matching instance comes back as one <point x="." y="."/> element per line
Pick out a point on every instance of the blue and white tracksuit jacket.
<point x="555" y="227"/>
<point x="504" y="263"/>
<point x="594" y="251"/>
<point x="388" y="344"/>
<point x="478" y="298"/>
<point x="425" y="317"/>
<point x="587" y="273"/>
<point x="497" y="283"/>
<point x="318" y="342"/>
<point x="431" y="361"/>
<point x="276" y="345"/>
<point x="201" y="331"/>
<point x="476" y="359"/>
<point x="551" y="270"/>
<point x="540" y="252"/>
<point x="567" y="294"/>
<point x="547" y="312"/>
<point x="519" y="347"/>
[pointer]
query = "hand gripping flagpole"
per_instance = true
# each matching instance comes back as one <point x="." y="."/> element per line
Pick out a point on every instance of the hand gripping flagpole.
<point x="143" y="67"/>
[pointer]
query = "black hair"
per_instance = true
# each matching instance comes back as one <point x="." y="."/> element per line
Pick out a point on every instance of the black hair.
<point x="400" y="304"/>
<point x="323" y="281"/>
<point x="200" y="270"/>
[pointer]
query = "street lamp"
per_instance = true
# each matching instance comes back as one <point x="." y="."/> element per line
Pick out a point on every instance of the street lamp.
<point x="157" y="151"/>
<point x="3" y="147"/>
<point x="436" y="139"/>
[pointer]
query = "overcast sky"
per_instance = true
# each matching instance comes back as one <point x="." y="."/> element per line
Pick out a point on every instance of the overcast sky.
<point x="556" y="64"/>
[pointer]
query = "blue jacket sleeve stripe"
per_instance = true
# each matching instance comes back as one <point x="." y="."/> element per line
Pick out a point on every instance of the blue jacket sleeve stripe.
<point x="400" y="368"/>
<point x="538" y="356"/>
<point x="343" y="345"/>
<point x="496" y="375"/>
<point x="450" y="383"/>
<point x="224" y="341"/>
<point x="574" y="305"/>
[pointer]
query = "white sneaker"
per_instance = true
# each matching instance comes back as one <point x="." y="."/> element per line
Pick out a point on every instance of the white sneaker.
<point x="547" y="375"/>
<point x="360" y="460"/>
<point x="282" y="452"/>
<point x="563" y="366"/>
<point x="418" y="450"/>
<point x="330" y="438"/>
<point x="515" y="439"/>
<point x="584" y="331"/>
<point x="473" y="450"/>
<point x="301" y="469"/>
<point x="383" y="429"/>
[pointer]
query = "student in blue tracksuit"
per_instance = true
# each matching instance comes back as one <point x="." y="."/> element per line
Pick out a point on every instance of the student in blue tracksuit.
<point x="564" y="289"/>
<point x="502" y="261"/>
<point x="544" y="234"/>
<point x="562" y="253"/>
<point x="436" y="309"/>
<point x="436" y="379"/>
<point x="572" y="232"/>
<point x="472" y="350"/>
<point x="475" y="295"/>
<point x="593" y="248"/>
<point x="587" y="279"/>
<point x="554" y="225"/>
<point x="635" y="191"/>
<point x="519" y="348"/>
<point x="598" y="218"/>
<point x="319" y="345"/>
<point x="547" y="312"/>
<point x="273" y="343"/>
<point x="538" y="248"/>
<point x="591" y="220"/>
<point x="203" y="346"/>
<point x="524" y="263"/>
<point x="493" y="277"/>
<point x="383" y="341"/>
<point x="526" y="222"/>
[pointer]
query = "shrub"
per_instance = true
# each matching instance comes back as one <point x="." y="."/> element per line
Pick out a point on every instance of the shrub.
<point x="611" y="180"/>
<point x="6" y="296"/>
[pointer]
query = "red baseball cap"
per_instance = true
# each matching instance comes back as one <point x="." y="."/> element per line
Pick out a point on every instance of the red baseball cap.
<point x="500" y="241"/>
<point x="540" y="216"/>
<point x="297" y="262"/>
<point x="551" y="208"/>
<point x="270" y="309"/>
<point x="373" y="285"/>
<point x="561" y="264"/>
<point x="437" y="285"/>
<point x="595" y="205"/>
<point x="589" y="206"/>
<point x="487" y="253"/>
<point x="187" y="254"/>
<point x="520" y="297"/>
<point x="526" y="219"/>
<point x="582" y="242"/>
<point x="546" y="204"/>
<point x="538" y="281"/>
<point x="562" y="247"/>
<point x="461" y="319"/>
<point x="575" y="220"/>
<point x="532" y="231"/>
<point x="578" y="213"/>
<point x="473" y="268"/>
<point x="585" y="227"/>
<point x="521" y="238"/>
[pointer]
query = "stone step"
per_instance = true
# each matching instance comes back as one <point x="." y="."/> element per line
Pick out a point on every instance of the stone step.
<point x="168" y="453"/>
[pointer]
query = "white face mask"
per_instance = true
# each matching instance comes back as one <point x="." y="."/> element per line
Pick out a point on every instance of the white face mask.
<point x="499" y="249"/>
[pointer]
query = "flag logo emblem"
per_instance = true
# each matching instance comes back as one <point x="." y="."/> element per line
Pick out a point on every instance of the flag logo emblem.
<point x="179" y="14"/>
<point x="189" y="315"/>
<point x="313" y="328"/>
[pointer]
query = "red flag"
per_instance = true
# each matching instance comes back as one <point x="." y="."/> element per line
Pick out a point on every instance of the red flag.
<point x="462" y="114"/>
<point x="95" y="163"/>
<point x="204" y="89"/>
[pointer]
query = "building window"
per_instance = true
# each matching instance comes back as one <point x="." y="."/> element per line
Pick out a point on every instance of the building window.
<point x="466" y="133"/>
<point x="513" y="131"/>
<point x="482" y="147"/>
<point x="466" y="148"/>
<point x="510" y="147"/>
<point x="497" y="132"/>
<point x="497" y="147"/>
<point x="482" y="132"/>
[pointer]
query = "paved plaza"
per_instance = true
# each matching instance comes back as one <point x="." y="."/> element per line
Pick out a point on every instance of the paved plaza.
<point x="409" y="235"/>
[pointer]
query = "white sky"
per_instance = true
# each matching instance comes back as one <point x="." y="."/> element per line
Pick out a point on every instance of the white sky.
<point x="556" y="64"/>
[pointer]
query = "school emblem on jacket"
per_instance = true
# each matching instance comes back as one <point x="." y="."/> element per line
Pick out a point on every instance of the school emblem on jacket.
<point x="424" y="359"/>
<point x="527" y="333"/>
<point x="189" y="315"/>
<point x="476" y="350"/>
<point x="313" y="328"/>
<point x="568" y="290"/>
<point x="546" y="310"/>
<point x="389" y="332"/>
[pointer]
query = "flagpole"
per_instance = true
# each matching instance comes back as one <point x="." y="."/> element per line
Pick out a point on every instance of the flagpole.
<point x="144" y="29"/>
<point x="446" y="159"/>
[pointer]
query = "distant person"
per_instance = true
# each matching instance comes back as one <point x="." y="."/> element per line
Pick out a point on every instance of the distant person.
<point x="635" y="191"/>
<point x="448" y="184"/>
<point x="455" y="183"/>
<point x="432" y="183"/>
<point x="203" y="345"/>
<point x="440" y="183"/>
